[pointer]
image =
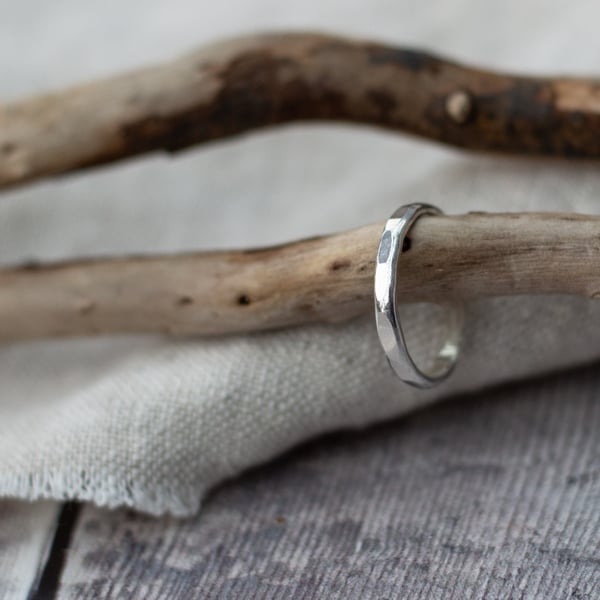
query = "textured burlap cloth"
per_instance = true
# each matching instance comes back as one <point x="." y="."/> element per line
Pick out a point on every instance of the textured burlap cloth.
<point x="153" y="423"/>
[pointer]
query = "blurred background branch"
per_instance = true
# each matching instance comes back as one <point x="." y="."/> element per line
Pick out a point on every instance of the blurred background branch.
<point x="254" y="82"/>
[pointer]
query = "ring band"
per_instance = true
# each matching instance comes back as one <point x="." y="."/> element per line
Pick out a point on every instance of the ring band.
<point x="387" y="322"/>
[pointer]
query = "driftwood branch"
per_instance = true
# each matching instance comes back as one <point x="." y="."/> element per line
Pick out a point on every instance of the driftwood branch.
<point x="318" y="280"/>
<point x="254" y="82"/>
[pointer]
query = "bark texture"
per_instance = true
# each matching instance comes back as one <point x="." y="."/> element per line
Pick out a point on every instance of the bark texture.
<point x="267" y="80"/>
<point x="323" y="279"/>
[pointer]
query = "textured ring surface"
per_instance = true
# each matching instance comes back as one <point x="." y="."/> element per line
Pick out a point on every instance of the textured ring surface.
<point x="387" y="321"/>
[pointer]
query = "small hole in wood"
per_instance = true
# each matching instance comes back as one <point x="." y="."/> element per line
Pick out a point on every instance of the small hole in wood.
<point x="185" y="300"/>
<point x="342" y="263"/>
<point x="243" y="300"/>
<point x="406" y="244"/>
<point x="87" y="307"/>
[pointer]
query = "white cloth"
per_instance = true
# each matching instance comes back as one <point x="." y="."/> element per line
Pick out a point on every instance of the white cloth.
<point x="153" y="423"/>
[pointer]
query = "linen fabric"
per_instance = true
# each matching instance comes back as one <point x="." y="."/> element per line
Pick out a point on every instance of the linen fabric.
<point x="153" y="423"/>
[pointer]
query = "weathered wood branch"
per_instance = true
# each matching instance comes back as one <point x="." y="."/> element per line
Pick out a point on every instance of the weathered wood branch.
<point x="260" y="81"/>
<point x="317" y="280"/>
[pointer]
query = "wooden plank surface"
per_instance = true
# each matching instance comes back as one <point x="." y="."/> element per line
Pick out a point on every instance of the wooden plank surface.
<point x="491" y="496"/>
<point x="123" y="554"/>
<point x="26" y="533"/>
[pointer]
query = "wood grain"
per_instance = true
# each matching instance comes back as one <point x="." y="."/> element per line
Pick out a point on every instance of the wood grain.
<point x="248" y="83"/>
<point x="123" y="554"/>
<point x="496" y="491"/>
<point x="324" y="279"/>
<point x="25" y="534"/>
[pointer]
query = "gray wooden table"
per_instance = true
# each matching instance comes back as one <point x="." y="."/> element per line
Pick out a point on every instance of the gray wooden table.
<point x="492" y="496"/>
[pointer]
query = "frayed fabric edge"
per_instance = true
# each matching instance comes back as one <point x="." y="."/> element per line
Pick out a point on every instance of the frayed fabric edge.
<point x="107" y="492"/>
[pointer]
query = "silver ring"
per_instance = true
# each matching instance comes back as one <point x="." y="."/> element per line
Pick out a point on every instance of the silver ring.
<point x="388" y="324"/>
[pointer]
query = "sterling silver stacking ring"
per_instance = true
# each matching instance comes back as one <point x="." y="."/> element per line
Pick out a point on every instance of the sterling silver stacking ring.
<point x="388" y="324"/>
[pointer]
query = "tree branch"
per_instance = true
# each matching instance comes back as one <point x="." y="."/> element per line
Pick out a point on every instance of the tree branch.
<point x="317" y="280"/>
<point x="255" y="82"/>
